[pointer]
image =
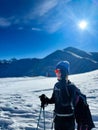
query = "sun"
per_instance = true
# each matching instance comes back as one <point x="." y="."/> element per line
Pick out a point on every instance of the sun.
<point x="82" y="24"/>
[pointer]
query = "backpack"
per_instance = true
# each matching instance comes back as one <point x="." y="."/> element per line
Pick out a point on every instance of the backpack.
<point x="83" y="115"/>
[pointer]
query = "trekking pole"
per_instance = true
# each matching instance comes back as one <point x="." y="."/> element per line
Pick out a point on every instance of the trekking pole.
<point x="39" y="118"/>
<point x="42" y="98"/>
<point x="44" y="116"/>
<point x="42" y="107"/>
<point x="52" y="126"/>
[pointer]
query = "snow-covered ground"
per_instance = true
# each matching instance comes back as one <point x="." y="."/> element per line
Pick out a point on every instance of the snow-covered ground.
<point x="20" y="104"/>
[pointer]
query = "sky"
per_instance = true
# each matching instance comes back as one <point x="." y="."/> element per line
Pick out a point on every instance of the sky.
<point x="36" y="28"/>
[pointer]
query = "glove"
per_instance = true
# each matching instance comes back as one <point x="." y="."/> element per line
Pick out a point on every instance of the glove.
<point x="43" y="99"/>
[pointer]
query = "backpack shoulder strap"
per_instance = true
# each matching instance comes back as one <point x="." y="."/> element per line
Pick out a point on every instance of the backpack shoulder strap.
<point x="67" y="91"/>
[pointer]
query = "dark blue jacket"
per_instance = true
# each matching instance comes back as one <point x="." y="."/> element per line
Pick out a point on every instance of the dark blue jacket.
<point x="64" y="97"/>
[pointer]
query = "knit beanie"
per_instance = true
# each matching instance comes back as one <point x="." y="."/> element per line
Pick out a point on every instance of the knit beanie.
<point x="64" y="67"/>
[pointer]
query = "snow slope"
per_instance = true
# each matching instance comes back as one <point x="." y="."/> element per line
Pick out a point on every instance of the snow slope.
<point x="20" y="104"/>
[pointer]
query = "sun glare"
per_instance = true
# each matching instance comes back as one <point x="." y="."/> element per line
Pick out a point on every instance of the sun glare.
<point x="82" y="24"/>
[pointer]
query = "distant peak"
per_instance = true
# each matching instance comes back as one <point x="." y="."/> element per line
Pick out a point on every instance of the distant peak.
<point x="77" y="51"/>
<point x="70" y="49"/>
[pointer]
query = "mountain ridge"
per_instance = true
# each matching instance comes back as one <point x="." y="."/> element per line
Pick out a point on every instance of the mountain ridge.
<point x="80" y="60"/>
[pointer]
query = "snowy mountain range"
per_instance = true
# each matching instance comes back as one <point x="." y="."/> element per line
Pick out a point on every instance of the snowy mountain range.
<point x="80" y="61"/>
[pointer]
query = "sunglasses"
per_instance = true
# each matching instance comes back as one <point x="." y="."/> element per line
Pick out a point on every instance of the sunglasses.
<point x="57" y="71"/>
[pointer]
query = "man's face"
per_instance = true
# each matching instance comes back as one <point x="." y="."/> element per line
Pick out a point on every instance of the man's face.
<point x="58" y="74"/>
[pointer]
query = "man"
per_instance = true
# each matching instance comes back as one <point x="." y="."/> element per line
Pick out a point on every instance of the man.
<point x="65" y="97"/>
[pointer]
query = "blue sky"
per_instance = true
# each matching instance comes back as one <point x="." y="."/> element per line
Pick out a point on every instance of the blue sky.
<point x="36" y="28"/>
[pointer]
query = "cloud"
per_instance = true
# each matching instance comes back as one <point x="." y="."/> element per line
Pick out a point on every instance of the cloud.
<point x="49" y="14"/>
<point x="9" y="21"/>
<point x="45" y="7"/>
<point x="51" y="28"/>
<point x="36" y="29"/>
<point x="57" y="18"/>
<point x="4" y="22"/>
<point x="42" y="8"/>
<point x="45" y="14"/>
